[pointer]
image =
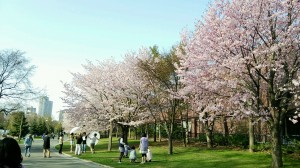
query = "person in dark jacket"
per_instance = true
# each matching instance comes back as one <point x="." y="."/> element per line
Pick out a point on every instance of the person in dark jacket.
<point x="46" y="145"/>
<point x="61" y="142"/>
<point x="84" y="138"/>
<point x="78" y="144"/>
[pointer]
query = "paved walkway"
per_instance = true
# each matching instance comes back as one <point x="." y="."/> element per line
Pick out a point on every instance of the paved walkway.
<point x="56" y="161"/>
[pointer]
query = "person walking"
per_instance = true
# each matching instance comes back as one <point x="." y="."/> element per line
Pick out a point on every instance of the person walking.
<point x="78" y="144"/>
<point x="46" y="145"/>
<point x="93" y="142"/>
<point x="121" y="147"/>
<point x="28" y="142"/>
<point x="10" y="153"/>
<point x="144" y="147"/>
<point x="61" y="142"/>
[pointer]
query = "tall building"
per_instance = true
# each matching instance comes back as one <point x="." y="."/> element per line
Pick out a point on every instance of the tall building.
<point x="30" y="110"/>
<point x="61" y="116"/>
<point x="45" y="107"/>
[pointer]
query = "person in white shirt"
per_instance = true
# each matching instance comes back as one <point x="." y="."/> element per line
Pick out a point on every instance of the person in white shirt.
<point x="93" y="142"/>
<point x="144" y="147"/>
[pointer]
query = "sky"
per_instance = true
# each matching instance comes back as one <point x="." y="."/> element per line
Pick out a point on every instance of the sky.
<point x="59" y="36"/>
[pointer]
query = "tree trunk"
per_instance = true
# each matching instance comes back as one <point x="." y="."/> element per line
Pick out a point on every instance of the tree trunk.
<point x="276" y="144"/>
<point x="208" y="138"/>
<point x="110" y="136"/>
<point x="159" y="133"/>
<point x="183" y="133"/>
<point x="251" y="135"/>
<point x="187" y="136"/>
<point x="259" y="131"/>
<point x="125" y="129"/>
<point x="154" y="133"/>
<point x="196" y="128"/>
<point x="129" y="133"/>
<point x="208" y="133"/>
<point x="146" y="131"/>
<point x="170" y="142"/>
<point x="226" y="130"/>
<point x="117" y="132"/>
<point x="135" y="133"/>
<point x="187" y="141"/>
<point x="21" y="125"/>
<point x="170" y="137"/>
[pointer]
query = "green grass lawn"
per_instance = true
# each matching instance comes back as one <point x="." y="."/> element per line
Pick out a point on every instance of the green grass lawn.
<point x="192" y="156"/>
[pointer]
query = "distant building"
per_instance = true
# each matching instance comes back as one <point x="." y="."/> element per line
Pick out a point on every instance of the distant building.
<point x="30" y="110"/>
<point x="45" y="107"/>
<point x="61" y="116"/>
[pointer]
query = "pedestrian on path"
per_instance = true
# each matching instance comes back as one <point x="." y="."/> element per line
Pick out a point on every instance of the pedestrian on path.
<point x="10" y="153"/>
<point x="93" y="142"/>
<point x="78" y="144"/>
<point x="84" y="138"/>
<point x="61" y="142"/>
<point x="28" y="142"/>
<point x="46" y="145"/>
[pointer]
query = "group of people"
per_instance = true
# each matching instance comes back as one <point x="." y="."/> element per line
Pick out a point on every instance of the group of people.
<point x="81" y="142"/>
<point x="10" y="152"/>
<point x="143" y="149"/>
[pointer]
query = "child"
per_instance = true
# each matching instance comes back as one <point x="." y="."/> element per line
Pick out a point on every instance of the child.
<point x="132" y="154"/>
<point x="126" y="150"/>
<point x="149" y="155"/>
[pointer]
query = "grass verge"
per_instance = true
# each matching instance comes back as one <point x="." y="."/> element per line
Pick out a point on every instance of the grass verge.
<point x="191" y="156"/>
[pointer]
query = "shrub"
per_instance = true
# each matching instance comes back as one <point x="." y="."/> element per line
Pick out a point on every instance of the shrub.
<point x="262" y="146"/>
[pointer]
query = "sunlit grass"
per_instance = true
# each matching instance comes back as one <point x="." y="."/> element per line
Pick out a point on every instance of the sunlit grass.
<point x="192" y="156"/>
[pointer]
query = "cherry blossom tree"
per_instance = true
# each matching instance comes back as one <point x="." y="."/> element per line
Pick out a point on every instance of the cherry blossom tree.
<point x="108" y="92"/>
<point x="246" y="52"/>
